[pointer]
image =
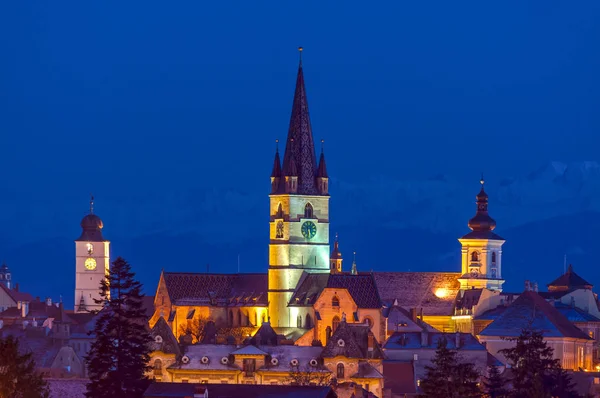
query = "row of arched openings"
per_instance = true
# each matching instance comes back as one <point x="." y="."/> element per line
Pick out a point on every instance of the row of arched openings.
<point x="475" y="257"/>
<point x="308" y="211"/>
<point x="307" y="322"/>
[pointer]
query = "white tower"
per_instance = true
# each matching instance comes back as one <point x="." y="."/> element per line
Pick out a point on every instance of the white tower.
<point x="92" y="262"/>
<point x="481" y="250"/>
<point x="299" y="212"/>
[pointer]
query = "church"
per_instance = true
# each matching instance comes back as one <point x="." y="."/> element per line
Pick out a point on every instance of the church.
<point x="307" y="289"/>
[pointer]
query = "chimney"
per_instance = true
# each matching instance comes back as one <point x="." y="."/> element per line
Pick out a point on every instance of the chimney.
<point x="413" y="314"/>
<point x="370" y="342"/>
<point x="16" y="287"/>
<point x="527" y="285"/>
<point x="457" y="340"/>
<point x="48" y="301"/>
<point x="424" y="338"/>
<point x="24" y="309"/>
<point x="535" y="287"/>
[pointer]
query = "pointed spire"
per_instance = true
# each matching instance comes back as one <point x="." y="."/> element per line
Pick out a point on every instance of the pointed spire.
<point x="91" y="204"/>
<point x="82" y="306"/>
<point x="354" y="270"/>
<point x="322" y="170"/>
<point x="300" y="150"/>
<point x="276" y="163"/>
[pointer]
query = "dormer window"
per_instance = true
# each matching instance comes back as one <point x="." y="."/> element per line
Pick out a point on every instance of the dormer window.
<point x="308" y="211"/>
<point x="475" y="257"/>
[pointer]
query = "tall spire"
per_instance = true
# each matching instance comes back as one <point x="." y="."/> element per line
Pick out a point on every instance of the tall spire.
<point x="302" y="151"/>
<point x="91" y="204"/>
<point x="322" y="170"/>
<point x="354" y="270"/>
<point x="276" y="163"/>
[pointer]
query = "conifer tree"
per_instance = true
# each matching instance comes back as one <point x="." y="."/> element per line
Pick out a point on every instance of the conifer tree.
<point x="449" y="377"/>
<point x="494" y="385"/>
<point x="18" y="378"/>
<point x="118" y="359"/>
<point x="535" y="371"/>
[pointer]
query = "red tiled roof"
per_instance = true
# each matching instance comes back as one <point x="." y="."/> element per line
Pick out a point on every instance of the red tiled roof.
<point x="569" y="281"/>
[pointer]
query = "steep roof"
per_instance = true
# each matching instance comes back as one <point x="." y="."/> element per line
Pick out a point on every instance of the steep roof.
<point x="265" y="335"/>
<point x="16" y="295"/>
<point x="400" y="377"/>
<point x="351" y="341"/>
<point x="413" y="340"/>
<point x="217" y="289"/>
<point x="362" y="288"/>
<point x="418" y="290"/>
<point x="531" y="310"/>
<point x="299" y="148"/>
<point x="469" y="299"/>
<point x="569" y="281"/>
<point x="169" y="344"/>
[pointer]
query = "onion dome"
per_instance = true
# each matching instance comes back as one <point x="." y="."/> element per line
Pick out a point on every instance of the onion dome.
<point x="482" y="224"/>
<point x="91" y="226"/>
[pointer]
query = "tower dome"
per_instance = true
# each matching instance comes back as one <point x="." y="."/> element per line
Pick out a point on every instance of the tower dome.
<point x="91" y="226"/>
<point x="482" y="224"/>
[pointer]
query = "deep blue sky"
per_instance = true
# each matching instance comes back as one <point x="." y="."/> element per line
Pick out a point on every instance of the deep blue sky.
<point x="131" y="96"/>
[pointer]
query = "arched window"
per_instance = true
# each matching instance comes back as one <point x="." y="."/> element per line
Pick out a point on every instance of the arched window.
<point x="279" y="213"/>
<point x="279" y="230"/>
<point x="308" y="211"/>
<point x="493" y="257"/>
<point x="474" y="256"/>
<point x="263" y="319"/>
<point x="368" y="321"/>
<point x="308" y="321"/>
<point x="334" y="323"/>
<point x="299" y="321"/>
<point x="157" y="367"/>
<point x="340" y="371"/>
<point x="335" y="302"/>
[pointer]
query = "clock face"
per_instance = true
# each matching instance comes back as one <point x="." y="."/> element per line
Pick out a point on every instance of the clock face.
<point x="90" y="264"/>
<point x="309" y="229"/>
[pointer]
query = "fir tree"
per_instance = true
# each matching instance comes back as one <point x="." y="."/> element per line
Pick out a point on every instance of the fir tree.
<point x="118" y="359"/>
<point x="494" y="385"/>
<point x="18" y="378"/>
<point x="448" y="377"/>
<point x="535" y="371"/>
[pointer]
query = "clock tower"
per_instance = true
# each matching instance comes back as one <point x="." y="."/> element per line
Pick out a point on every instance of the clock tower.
<point x="91" y="262"/>
<point x="299" y="211"/>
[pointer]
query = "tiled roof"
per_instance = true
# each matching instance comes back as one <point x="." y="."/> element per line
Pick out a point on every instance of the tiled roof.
<point x="413" y="340"/>
<point x="169" y="344"/>
<point x="469" y="299"/>
<point x="249" y="350"/>
<point x="362" y="288"/>
<point x="569" y="281"/>
<point x="265" y="335"/>
<point x="67" y="388"/>
<point x="16" y="295"/>
<point x="531" y="310"/>
<point x="355" y="342"/>
<point x="400" y="377"/>
<point x="574" y="314"/>
<point x="399" y="319"/>
<point x="217" y="289"/>
<point x="366" y="371"/>
<point x="417" y="290"/>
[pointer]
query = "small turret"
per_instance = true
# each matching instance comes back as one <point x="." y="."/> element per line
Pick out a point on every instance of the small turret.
<point x="5" y="277"/>
<point x="291" y="172"/>
<point x="322" y="177"/>
<point x="354" y="269"/>
<point x="276" y="173"/>
<point x="335" y="260"/>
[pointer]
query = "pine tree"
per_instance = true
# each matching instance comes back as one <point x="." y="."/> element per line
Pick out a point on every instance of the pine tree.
<point x="535" y="371"/>
<point x="494" y="385"/>
<point x="449" y="377"/>
<point x="18" y="378"/>
<point x="118" y="359"/>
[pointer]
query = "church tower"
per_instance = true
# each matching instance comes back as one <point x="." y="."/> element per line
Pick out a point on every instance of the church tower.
<point x="91" y="262"/>
<point x="299" y="211"/>
<point x="481" y="250"/>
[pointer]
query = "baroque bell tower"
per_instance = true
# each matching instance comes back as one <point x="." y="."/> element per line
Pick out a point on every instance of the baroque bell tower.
<point x="299" y="211"/>
<point x="481" y="250"/>
<point x="91" y="262"/>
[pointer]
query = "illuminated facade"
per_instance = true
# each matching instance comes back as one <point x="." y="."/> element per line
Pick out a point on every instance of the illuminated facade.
<point x="299" y="212"/>
<point x="92" y="262"/>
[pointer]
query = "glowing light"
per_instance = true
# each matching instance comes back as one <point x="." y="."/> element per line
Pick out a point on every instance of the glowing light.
<point x="442" y="292"/>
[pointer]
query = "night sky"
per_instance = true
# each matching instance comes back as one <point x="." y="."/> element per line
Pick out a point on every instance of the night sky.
<point x="135" y="98"/>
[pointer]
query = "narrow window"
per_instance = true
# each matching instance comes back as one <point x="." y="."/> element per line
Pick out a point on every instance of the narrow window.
<point x="308" y="211"/>
<point x="493" y="257"/>
<point x="340" y="371"/>
<point x="279" y="230"/>
<point x="158" y="367"/>
<point x="308" y="321"/>
<point x="299" y="321"/>
<point x="335" y="302"/>
<point x="279" y="213"/>
<point x="474" y="256"/>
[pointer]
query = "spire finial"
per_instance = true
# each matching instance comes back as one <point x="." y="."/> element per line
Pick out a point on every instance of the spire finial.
<point x="300" y="54"/>
<point x="277" y="145"/>
<point x="354" y="270"/>
<point x="482" y="181"/>
<point x="336" y="236"/>
<point x="322" y="145"/>
<point x="91" y="204"/>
